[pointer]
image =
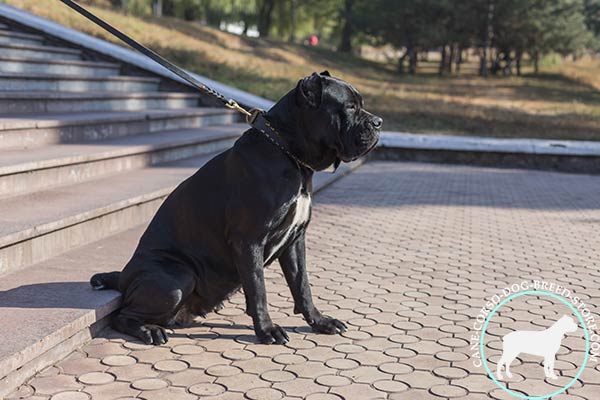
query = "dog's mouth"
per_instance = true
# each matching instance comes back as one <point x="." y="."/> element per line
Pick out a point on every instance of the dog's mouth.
<point x="371" y="143"/>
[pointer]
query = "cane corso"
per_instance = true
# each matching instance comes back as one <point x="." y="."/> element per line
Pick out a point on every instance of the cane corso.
<point x="244" y="209"/>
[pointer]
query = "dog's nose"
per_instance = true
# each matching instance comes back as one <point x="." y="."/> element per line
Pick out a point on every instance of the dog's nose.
<point x="377" y="122"/>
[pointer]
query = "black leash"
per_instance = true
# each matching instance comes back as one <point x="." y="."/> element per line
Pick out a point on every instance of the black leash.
<point x="254" y="117"/>
<point x="230" y="103"/>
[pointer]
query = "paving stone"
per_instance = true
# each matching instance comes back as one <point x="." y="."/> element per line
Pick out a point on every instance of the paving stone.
<point x="290" y="359"/>
<point x="96" y="378"/>
<point x="113" y="390"/>
<point x="133" y="372"/>
<point x="104" y="349"/>
<point x="187" y="349"/>
<point x="80" y="366"/>
<point x="324" y="396"/>
<point x="264" y="394"/>
<point x="153" y="355"/>
<point x="310" y="369"/>
<point x="149" y="384"/>
<point x="70" y="396"/>
<point x="342" y="363"/>
<point x="365" y="374"/>
<point x="189" y="377"/>
<point x="170" y="365"/>
<point x="333" y="380"/>
<point x="277" y="376"/>
<point x="118" y="361"/>
<point x="359" y="391"/>
<point x="390" y="386"/>
<point x="300" y="387"/>
<point x="170" y="393"/>
<point x="207" y="389"/>
<point x="242" y="382"/>
<point x="53" y="384"/>
<point x="25" y="391"/>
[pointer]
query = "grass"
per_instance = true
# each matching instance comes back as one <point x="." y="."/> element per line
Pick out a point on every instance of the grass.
<point x="563" y="102"/>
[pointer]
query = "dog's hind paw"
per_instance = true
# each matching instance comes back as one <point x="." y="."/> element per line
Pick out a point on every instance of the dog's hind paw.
<point x="153" y="334"/>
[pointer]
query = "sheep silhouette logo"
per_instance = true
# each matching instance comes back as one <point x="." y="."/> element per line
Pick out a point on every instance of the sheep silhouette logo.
<point x="538" y="343"/>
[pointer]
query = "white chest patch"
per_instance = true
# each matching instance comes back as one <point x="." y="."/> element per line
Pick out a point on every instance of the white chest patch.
<point x="301" y="215"/>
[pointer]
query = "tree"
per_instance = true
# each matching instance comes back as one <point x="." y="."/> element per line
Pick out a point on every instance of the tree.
<point x="265" y="16"/>
<point x="405" y="25"/>
<point x="157" y="8"/>
<point x="347" y="27"/>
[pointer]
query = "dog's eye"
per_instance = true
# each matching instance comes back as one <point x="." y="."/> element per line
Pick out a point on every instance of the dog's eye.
<point x="351" y="107"/>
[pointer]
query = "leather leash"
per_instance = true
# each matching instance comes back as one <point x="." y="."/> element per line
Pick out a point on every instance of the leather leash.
<point x="255" y="117"/>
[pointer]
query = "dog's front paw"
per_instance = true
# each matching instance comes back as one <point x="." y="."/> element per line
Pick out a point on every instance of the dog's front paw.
<point x="328" y="325"/>
<point x="272" y="334"/>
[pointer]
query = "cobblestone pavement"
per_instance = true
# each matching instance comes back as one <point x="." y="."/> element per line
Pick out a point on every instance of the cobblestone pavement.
<point x="407" y="254"/>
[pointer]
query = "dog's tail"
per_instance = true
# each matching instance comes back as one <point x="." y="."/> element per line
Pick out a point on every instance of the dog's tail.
<point x="107" y="280"/>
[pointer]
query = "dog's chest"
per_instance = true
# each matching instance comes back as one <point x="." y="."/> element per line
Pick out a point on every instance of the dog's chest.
<point x="299" y="215"/>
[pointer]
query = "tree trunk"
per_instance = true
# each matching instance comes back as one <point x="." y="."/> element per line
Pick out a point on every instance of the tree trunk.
<point x="157" y="8"/>
<point x="401" y="61"/>
<point x="451" y="58"/>
<point x="487" y="37"/>
<point x="412" y="62"/>
<point x="293" y="6"/>
<point x="459" y="59"/>
<point x="443" y="57"/>
<point x="348" y="29"/>
<point x="536" y="62"/>
<point x="265" y="17"/>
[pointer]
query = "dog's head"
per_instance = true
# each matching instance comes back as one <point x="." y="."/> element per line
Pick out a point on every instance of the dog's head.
<point x="567" y="324"/>
<point x="334" y="116"/>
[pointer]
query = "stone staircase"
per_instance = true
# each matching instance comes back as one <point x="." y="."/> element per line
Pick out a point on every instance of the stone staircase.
<point x="89" y="147"/>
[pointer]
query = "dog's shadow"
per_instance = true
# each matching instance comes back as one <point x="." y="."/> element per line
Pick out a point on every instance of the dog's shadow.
<point x="209" y="331"/>
<point x="67" y="295"/>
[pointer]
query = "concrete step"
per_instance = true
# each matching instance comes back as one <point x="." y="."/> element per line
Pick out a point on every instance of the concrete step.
<point x="60" y="102"/>
<point x="121" y="83"/>
<point x="54" y="296"/>
<point x="26" y="130"/>
<point x="75" y="215"/>
<point x="39" y="52"/>
<point x="64" y="164"/>
<point x="9" y="36"/>
<point x="57" y="67"/>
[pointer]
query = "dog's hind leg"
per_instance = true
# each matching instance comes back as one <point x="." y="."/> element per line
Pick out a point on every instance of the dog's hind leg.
<point x="150" y="303"/>
<point x="506" y="359"/>
<point x="507" y="368"/>
<point x="499" y="368"/>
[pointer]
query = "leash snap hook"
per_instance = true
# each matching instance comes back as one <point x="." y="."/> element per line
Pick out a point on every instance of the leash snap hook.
<point x="235" y="106"/>
<point x="252" y="115"/>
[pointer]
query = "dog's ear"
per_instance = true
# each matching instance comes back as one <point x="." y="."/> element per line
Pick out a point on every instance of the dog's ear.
<point x="309" y="91"/>
<point x="325" y="73"/>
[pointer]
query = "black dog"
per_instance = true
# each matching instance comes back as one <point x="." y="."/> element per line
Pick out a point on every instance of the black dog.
<point x="247" y="207"/>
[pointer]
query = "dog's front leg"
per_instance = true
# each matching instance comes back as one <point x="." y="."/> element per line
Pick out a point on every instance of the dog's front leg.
<point x="293" y="264"/>
<point x="250" y="265"/>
